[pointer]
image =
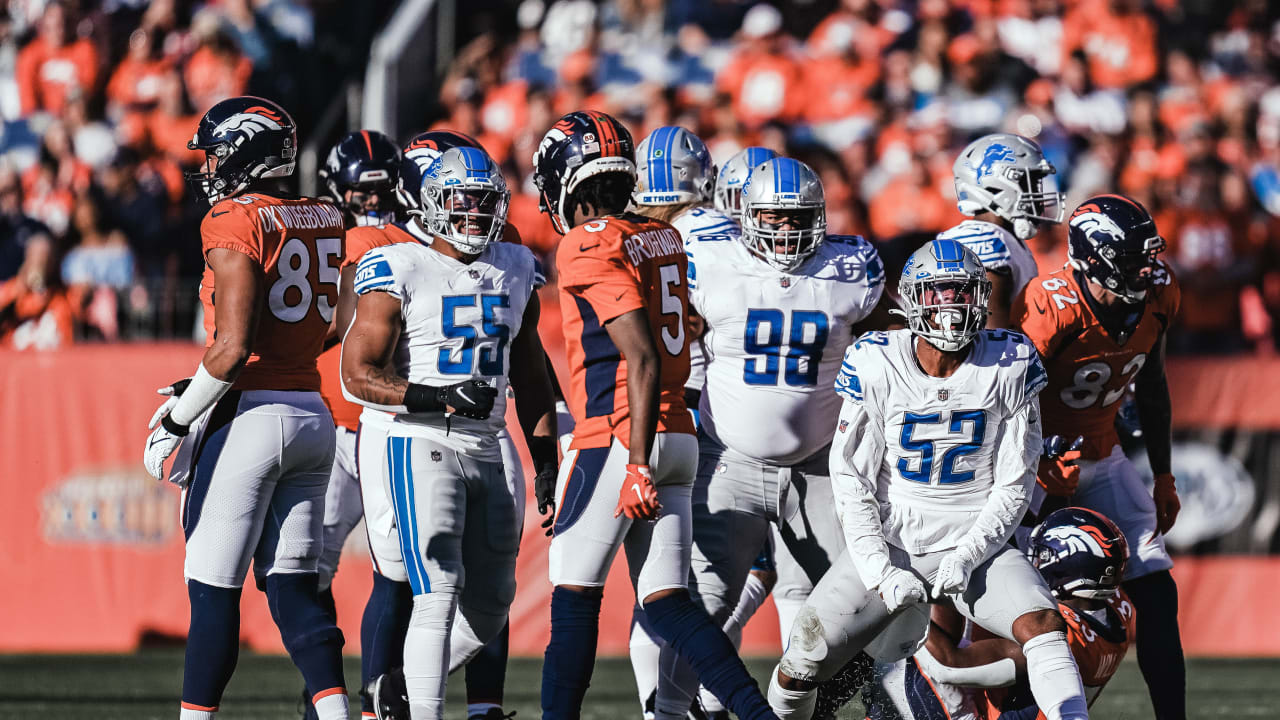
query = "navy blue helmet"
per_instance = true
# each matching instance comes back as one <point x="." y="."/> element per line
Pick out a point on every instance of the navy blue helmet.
<point x="361" y="175"/>
<point x="579" y="146"/>
<point x="1080" y="553"/>
<point x="244" y="139"/>
<point x="1113" y="241"/>
<point x="419" y="153"/>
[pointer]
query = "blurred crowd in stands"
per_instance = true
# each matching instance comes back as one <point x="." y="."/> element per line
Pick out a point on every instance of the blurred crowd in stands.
<point x="1174" y="103"/>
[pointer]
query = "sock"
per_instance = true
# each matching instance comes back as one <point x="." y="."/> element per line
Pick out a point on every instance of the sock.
<point x="1054" y="677"/>
<point x="426" y="653"/>
<point x="327" y="603"/>
<point x="382" y="631"/>
<point x="688" y="629"/>
<point x="788" y="608"/>
<point x="754" y="592"/>
<point x="487" y="673"/>
<point x="1155" y="597"/>
<point x="193" y="714"/>
<point x="213" y="646"/>
<point x="571" y="653"/>
<point x="331" y="705"/>
<point x="309" y="634"/>
<point x="645" y="650"/>
<point x="790" y="704"/>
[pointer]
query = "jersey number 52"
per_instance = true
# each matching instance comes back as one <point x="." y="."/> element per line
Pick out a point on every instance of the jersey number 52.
<point x="976" y="422"/>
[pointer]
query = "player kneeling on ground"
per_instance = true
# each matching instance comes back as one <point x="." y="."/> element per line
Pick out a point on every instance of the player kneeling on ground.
<point x="439" y="329"/>
<point x="932" y="466"/>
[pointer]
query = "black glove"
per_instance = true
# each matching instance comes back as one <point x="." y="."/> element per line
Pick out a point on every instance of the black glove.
<point x="471" y="399"/>
<point x="544" y="489"/>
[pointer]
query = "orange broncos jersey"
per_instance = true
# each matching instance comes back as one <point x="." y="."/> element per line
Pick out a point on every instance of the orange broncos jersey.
<point x="1089" y="370"/>
<point x="609" y="267"/>
<point x="1098" y="647"/>
<point x="298" y="244"/>
<point x="359" y="241"/>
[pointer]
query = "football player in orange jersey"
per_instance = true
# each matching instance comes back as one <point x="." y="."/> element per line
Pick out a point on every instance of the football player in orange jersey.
<point x="627" y="478"/>
<point x="1100" y="323"/>
<point x="1081" y="555"/>
<point x="259" y="441"/>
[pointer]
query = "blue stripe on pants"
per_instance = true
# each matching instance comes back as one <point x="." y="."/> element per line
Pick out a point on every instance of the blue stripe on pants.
<point x="401" y="473"/>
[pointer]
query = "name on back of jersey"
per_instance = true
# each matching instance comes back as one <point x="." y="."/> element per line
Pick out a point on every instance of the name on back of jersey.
<point x="299" y="217"/>
<point x="649" y="244"/>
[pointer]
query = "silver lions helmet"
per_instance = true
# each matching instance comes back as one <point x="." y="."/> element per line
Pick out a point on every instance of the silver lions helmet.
<point x="1008" y="175"/>
<point x="733" y="175"/>
<point x="673" y="167"/>
<point x="784" y="213"/>
<point x="464" y="199"/>
<point x="945" y="290"/>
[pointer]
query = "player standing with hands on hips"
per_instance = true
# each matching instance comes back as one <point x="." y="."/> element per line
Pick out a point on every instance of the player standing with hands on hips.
<point x="257" y="440"/>
<point x="440" y="327"/>
<point x="628" y="476"/>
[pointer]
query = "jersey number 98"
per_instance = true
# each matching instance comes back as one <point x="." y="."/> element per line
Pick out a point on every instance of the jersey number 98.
<point x="803" y="355"/>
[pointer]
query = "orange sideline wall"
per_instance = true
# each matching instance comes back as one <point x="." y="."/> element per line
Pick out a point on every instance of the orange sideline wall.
<point x="91" y="548"/>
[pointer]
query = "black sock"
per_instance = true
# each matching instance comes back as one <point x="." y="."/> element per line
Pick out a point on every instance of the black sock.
<point x="571" y="653"/>
<point x="213" y="643"/>
<point x="1155" y="597"/>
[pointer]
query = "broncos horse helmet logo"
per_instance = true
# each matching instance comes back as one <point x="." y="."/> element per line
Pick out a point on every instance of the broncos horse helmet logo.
<point x="1083" y="538"/>
<point x="249" y="123"/>
<point x="1092" y="223"/>
<point x="995" y="153"/>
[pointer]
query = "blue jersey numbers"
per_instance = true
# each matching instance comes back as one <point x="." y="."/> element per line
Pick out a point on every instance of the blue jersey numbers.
<point x="458" y="317"/>
<point x="966" y="429"/>
<point x="805" y="334"/>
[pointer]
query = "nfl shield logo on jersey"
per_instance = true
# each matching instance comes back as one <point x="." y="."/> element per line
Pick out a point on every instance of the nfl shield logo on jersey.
<point x="786" y="282"/>
<point x="436" y="456"/>
<point x="844" y="426"/>
<point x="473" y="274"/>
<point x="944" y="394"/>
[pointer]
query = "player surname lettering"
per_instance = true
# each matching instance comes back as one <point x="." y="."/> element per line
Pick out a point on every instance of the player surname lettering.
<point x="299" y="217"/>
<point x="653" y="243"/>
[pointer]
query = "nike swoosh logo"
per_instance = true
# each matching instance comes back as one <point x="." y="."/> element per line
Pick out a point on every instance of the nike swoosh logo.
<point x="1042" y="310"/>
<point x="216" y="214"/>
<point x="584" y="248"/>
<point x="636" y="488"/>
<point x="153" y="443"/>
<point x="463" y="395"/>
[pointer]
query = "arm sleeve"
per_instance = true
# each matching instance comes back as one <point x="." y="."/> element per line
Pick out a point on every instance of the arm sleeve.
<point x="1018" y="447"/>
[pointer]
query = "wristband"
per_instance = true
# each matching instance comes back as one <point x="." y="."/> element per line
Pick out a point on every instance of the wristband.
<point x="203" y="393"/>
<point x="173" y="427"/>
<point x="422" y="398"/>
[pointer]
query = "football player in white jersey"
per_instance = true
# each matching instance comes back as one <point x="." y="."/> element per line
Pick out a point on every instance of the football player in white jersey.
<point x="441" y="325"/>
<point x="675" y="183"/>
<point x="1004" y="183"/>
<point x="933" y="461"/>
<point x="779" y="303"/>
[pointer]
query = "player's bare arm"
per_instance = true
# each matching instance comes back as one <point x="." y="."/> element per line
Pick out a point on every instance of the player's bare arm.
<point x="531" y="378"/>
<point x="239" y="281"/>
<point x="631" y="334"/>
<point x="1155" y="411"/>
<point x="367" y="350"/>
<point x="1001" y="299"/>
<point x="346" y="309"/>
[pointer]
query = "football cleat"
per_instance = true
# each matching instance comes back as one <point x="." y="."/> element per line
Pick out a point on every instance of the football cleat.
<point x="244" y="139"/>
<point x="390" y="696"/>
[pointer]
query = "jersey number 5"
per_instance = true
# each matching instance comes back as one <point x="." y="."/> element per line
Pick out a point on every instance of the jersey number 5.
<point x="293" y="266"/>
<point x="977" y="420"/>
<point x="671" y="305"/>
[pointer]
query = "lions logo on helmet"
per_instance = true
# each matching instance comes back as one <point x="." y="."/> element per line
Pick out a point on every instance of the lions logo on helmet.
<point x="1007" y="175"/>
<point x="422" y="150"/>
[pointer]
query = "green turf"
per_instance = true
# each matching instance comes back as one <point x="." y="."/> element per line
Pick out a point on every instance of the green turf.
<point x="147" y="685"/>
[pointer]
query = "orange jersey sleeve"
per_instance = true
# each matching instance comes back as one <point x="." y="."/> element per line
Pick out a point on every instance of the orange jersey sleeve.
<point x="298" y="244"/>
<point x="1098" y="646"/>
<point x="1089" y="369"/>
<point x="609" y="267"/>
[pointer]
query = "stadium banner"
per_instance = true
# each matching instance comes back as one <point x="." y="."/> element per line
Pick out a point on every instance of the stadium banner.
<point x="92" y="547"/>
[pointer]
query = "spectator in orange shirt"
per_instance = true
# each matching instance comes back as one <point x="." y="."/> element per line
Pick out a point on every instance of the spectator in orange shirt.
<point x="1118" y="39"/>
<point x="172" y="123"/>
<point x="216" y="71"/>
<point x="50" y="68"/>
<point x="762" y="78"/>
<point x="135" y="85"/>
<point x="836" y="85"/>
<point x="1214" y="255"/>
<point x="35" y="313"/>
<point x="911" y="202"/>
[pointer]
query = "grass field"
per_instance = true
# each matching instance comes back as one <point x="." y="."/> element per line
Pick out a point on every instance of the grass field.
<point x="266" y="687"/>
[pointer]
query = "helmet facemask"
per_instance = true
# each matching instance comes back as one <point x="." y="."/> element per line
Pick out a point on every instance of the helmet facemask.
<point x="784" y="234"/>
<point x="947" y="311"/>
<point x="468" y="218"/>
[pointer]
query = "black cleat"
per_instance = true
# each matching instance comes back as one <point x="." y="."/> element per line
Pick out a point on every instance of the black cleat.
<point x="390" y="696"/>
<point x="843" y="687"/>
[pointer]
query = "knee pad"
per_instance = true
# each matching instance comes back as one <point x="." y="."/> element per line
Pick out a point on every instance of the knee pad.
<point x="804" y="648"/>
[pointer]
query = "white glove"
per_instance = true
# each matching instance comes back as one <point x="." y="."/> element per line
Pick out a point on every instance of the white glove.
<point x="900" y="588"/>
<point x="160" y="445"/>
<point x="173" y="392"/>
<point x="953" y="574"/>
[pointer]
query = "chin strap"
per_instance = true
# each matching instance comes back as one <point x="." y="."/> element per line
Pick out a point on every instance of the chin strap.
<point x="1024" y="229"/>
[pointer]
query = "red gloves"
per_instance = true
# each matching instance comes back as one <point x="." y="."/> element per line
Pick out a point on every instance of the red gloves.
<point x="638" y="498"/>
<point x="1167" y="503"/>
<point x="1058" y="473"/>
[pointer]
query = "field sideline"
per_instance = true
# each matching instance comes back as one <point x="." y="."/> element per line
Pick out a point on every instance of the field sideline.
<point x="266" y="687"/>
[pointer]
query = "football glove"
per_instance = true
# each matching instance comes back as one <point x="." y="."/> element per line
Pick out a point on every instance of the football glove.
<point x="638" y="499"/>
<point x="1167" y="503"/>
<point x="471" y="399"/>
<point x="953" y="574"/>
<point x="900" y="588"/>
<point x="160" y="445"/>
<point x="544" y="489"/>
<point x="173" y="392"/>
<point x="1059" y="473"/>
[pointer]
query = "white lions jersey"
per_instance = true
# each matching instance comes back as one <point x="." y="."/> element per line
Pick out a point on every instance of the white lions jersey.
<point x="459" y="321"/>
<point x="997" y="248"/>
<point x="937" y="448"/>
<point x="774" y="341"/>
<point x="695" y="224"/>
